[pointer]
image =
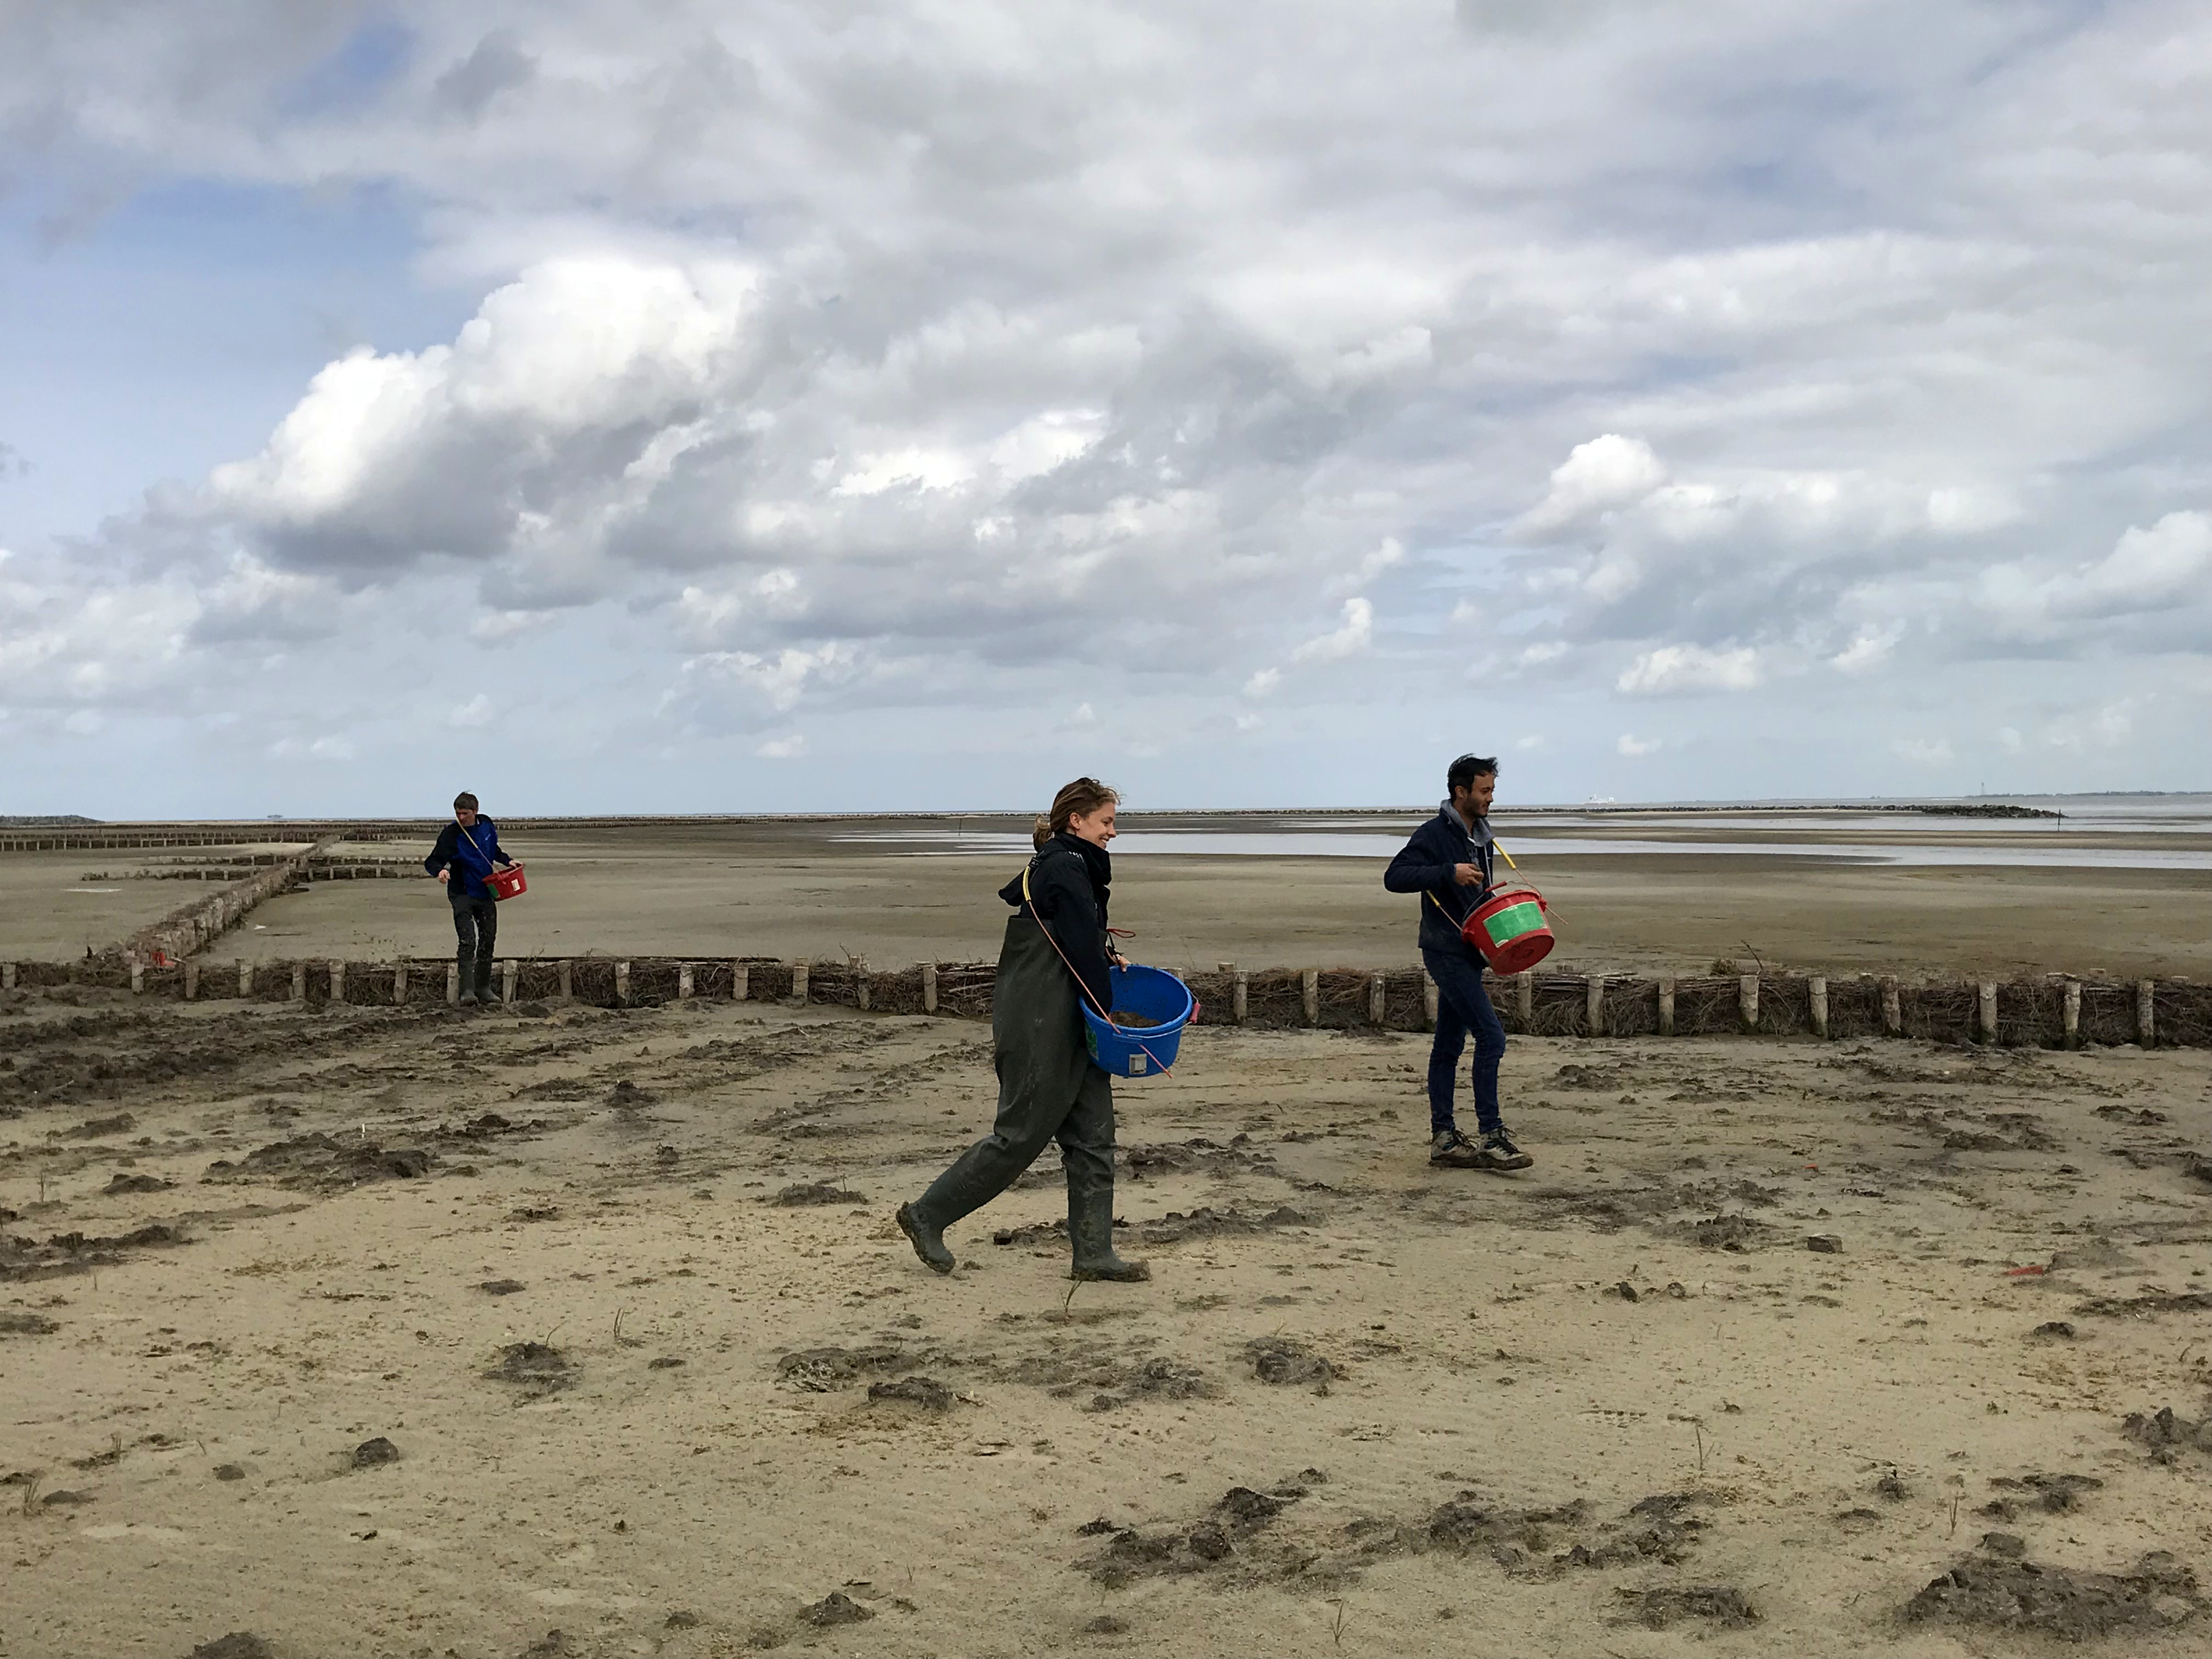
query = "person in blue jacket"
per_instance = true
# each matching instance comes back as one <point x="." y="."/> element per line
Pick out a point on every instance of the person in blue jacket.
<point x="1448" y="862"/>
<point x="467" y="853"/>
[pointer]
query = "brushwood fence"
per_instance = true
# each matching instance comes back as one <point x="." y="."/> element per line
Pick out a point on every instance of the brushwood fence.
<point x="2052" y="1011"/>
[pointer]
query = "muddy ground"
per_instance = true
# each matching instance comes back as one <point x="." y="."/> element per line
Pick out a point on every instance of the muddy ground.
<point x="401" y="1334"/>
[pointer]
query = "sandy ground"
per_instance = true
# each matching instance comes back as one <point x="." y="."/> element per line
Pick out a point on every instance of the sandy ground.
<point x="795" y="892"/>
<point x="621" y="1291"/>
<point x="55" y="906"/>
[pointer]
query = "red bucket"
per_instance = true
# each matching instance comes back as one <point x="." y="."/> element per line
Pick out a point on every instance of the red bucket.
<point x="509" y="882"/>
<point x="1511" y="930"/>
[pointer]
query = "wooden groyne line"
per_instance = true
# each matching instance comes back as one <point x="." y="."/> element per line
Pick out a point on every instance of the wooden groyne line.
<point x="2054" y="1011"/>
<point x="193" y="926"/>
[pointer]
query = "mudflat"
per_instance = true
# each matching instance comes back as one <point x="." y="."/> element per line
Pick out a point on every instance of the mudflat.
<point x="580" y="1331"/>
<point x="807" y="890"/>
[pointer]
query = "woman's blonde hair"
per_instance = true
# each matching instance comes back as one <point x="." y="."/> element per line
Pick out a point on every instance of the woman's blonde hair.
<point x="1078" y="800"/>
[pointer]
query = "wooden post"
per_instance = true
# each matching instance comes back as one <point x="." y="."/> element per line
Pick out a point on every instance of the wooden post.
<point x="741" y="982"/>
<point x="928" y="987"/>
<point x="683" y="983"/>
<point x="799" y="981"/>
<point x="860" y="983"/>
<point x="338" y="982"/>
<point x="192" y="982"/>
<point x="453" y="983"/>
<point x="1892" y="1009"/>
<point x="2146" y="1014"/>
<point x="622" y="985"/>
<point x="1239" y="993"/>
<point x="1309" y="995"/>
<point x="568" y="979"/>
<point x="1819" y="987"/>
<point x="7" y="976"/>
<point x="510" y="977"/>
<point x="2072" y="1014"/>
<point x="1428" y="999"/>
<point x="399" y="983"/>
<point x="245" y="979"/>
<point x="1666" y="1007"/>
<point x="137" y="978"/>
<point x="299" y="981"/>
<point x="1988" y="999"/>
<point x="1524" y="999"/>
<point x="1594" y="1007"/>
<point x="1747" y="998"/>
<point x="1378" y="999"/>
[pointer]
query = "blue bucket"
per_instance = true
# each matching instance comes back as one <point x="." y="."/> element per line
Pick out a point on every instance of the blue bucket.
<point x="1145" y="1049"/>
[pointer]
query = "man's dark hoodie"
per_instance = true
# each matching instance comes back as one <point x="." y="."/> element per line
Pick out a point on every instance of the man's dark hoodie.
<point x="1068" y="880"/>
<point x="1425" y="866"/>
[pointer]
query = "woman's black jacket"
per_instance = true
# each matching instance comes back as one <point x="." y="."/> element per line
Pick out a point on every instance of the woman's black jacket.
<point x="1068" y="882"/>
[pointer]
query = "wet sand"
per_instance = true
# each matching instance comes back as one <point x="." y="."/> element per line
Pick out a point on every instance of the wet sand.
<point x="800" y="892"/>
<point x="386" y="1332"/>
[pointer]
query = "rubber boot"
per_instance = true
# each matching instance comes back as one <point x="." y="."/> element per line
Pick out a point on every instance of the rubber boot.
<point x="484" y="984"/>
<point x="977" y="1176"/>
<point x="1090" y="1229"/>
<point x="467" y="998"/>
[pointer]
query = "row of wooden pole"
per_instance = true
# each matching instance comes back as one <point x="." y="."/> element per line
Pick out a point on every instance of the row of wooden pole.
<point x="1524" y="993"/>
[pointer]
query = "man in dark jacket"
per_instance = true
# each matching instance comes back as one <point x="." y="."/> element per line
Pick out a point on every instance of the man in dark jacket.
<point x="1448" y="862"/>
<point x="466" y="854"/>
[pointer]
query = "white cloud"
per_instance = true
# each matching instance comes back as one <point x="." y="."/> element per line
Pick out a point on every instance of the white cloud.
<point x="1530" y="744"/>
<point x="1685" y="668"/>
<point x="790" y="747"/>
<point x="1084" y="715"/>
<point x="476" y="711"/>
<point x="1631" y="745"/>
<point x="1123" y="395"/>
<point x="1607" y="472"/>
<point x="1869" y="649"/>
<point x="1388" y="553"/>
<point x="1355" y="636"/>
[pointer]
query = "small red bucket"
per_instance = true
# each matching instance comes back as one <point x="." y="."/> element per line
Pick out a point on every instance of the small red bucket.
<point x="509" y="882"/>
<point x="1511" y="930"/>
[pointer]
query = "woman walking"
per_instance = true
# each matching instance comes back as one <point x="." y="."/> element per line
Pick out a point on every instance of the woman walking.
<point x="1055" y="954"/>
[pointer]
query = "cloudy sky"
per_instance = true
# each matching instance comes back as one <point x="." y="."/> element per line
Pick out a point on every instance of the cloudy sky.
<point x="860" y="404"/>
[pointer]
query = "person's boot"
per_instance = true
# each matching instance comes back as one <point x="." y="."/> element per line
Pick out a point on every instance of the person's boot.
<point x="467" y="998"/>
<point x="484" y="984"/>
<point x="1090" y="1229"/>
<point x="977" y="1176"/>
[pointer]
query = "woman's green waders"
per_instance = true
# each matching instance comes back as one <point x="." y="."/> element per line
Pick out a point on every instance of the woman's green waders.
<point x="1047" y="1090"/>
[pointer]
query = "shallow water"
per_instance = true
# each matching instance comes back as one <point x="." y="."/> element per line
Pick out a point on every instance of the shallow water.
<point x="2051" y="853"/>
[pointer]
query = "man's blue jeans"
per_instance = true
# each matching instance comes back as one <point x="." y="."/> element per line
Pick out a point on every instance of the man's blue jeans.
<point x="1462" y="1006"/>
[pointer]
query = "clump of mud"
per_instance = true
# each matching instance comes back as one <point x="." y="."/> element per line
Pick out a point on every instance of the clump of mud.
<point x="1728" y="1231"/>
<point x="2150" y="1305"/>
<point x="800" y="1194"/>
<point x="1997" y="1586"/>
<point x="835" y="1608"/>
<point x="537" y="1368"/>
<point x="2053" y="1494"/>
<point x="1205" y="1222"/>
<point x="120" y="1184"/>
<point x="2163" y="1432"/>
<point x="75" y="1253"/>
<point x="319" y="1161"/>
<point x="1278" y="1359"/>
<point x="1723" y="1605"/>
<point x="822" y="1371"/>
<point x="239" y="1645"/>
<point x="22" y="1324"/>
<point x="925" y="1392"/>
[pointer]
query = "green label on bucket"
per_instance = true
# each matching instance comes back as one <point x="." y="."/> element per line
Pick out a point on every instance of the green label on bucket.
<point x="1510" y="924"/>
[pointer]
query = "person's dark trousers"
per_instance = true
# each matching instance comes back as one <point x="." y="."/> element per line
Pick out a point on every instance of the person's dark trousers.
<point x="476" y="923"/>
<point x="1462" y="1006"/>
<point x="1049" y="1090"/>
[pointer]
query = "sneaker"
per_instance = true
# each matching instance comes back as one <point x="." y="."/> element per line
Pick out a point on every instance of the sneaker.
<point x="1450" y="1150"/>
<point x="1496" y="1151"/>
